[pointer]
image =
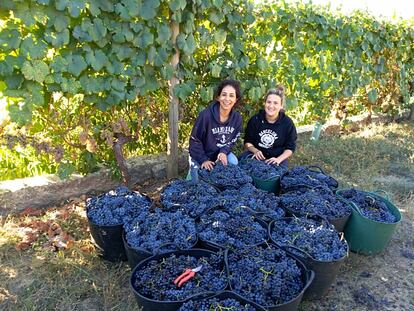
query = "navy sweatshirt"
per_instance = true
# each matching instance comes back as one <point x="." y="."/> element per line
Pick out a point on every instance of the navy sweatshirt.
<point x="271" y="138"/>
<point x="209" y="136"/>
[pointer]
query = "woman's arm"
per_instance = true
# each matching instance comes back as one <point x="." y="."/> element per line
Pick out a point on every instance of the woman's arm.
<point x="290" y="146"/>
<point x="277" y="160"/>
<point x="256" y="152"/>
<point x="249" y="140"/>
<point x="196" y="147"/>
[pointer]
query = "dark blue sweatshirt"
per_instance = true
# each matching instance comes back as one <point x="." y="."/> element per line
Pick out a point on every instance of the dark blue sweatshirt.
<point x="271" y="138"/>
<point x="209" y="136"/>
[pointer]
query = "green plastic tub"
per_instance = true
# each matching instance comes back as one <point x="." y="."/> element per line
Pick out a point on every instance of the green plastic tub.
<point x="367" y="236"/>
<point x="270" y="185"/>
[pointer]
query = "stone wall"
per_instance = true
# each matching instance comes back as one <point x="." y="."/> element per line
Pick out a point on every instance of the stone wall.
<point x="49" y="190"/>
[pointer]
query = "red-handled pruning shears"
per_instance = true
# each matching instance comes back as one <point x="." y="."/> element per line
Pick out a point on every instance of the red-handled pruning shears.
<point x="186" y="275"/>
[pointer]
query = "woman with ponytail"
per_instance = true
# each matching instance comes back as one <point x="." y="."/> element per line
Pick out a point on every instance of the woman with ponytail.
<point x="270" y="135"/>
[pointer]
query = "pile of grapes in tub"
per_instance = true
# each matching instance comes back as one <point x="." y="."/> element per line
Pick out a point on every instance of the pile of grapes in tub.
<point x="222" y="244"/>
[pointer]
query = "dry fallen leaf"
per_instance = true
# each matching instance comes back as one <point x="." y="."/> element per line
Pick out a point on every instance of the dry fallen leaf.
<point x="30" y="211"/>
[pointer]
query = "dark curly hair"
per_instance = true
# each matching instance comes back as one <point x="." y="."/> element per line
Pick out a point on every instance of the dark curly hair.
<point x="233" y="83"/>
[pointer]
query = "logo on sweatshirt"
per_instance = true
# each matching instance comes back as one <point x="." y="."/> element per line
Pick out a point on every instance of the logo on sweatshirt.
<point x="267" y="138"/>
<point x="226" y="130"/>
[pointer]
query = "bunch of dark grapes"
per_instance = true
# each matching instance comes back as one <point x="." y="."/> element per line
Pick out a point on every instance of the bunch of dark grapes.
<point x="155" y="278"/>
<point x="304" y="175"/>
<point x="116" y="207"/>
<point x="262" y="170"/>
<point x="256" y="201"/>
<point x="213" y="304"/>
<point x="318" y="239"/>
<point x="161" y="231"/>
<point x="225" y="176"/>
<point x="370" y="206"/>
<point x="320" y="201"/>
<point x="231" y="230"/>
<point x="192" y="198"/>
<point x="266" y="276"/>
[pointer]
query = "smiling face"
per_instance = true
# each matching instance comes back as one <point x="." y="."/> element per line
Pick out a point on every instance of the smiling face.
<point x="273" y="104"/>
<point x="227" y="98"/>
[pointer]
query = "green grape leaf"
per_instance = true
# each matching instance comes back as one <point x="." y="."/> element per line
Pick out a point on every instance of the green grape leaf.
<point x="139" y="59"/>
<point x="36" y="70"/>
<point x="58" y="39"/>
<point x="122" y="11"/>
<point x="190" y="45"/>
<point x="74" y="7"/>
<point x="167" y="71"/>
<point x="182" y="90"/>
<point x="147" y="38"/>
<point x="59" y="64"/>
<point x="35" y="96"/>
<point x="216" y="70"/>
<point x="15" y="61"/>
<point x="97" y="30"/>
<point x="14" y="82"/>
<point x="133" y="7"/>
<point x="76" y="64"/>
<point x="149" y="9"/>
<point x="97" y="60"/>
<point x="102" y="104"/>
<point x="9" y="39"/>
<point x="176" y="5"/>
<point x="206" y="94"/>
<point x="216" y="17"/>
<point x="5" y="68"/>
<point x="123" y="52"/>
<point x="65" y="170"/>
<point x="291" y="102"/>
<point x="220" y="36"/>
<point x="70" y="86"/>
<point x="21" y="113"/>
<point x="33" y="50"/>
<point x="95" y="6"/>
<point x="151" y="54"/>
<point x="161" y="57"/>
<point x="118" y="84"/>
<point x="164" y="33"/>
<point x="262" y="63"/>
<point x="136" y="26"/>
<point x="373" y="95"/>
<point x="25" y="13"/>
<point x="61" y="22"/>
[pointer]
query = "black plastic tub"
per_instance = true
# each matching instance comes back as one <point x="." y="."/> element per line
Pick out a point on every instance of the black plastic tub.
<point x="149" y="304"/>
<point x="108" y="240"/>
<point x="325" y="271"/>
<point x="136" y="255"/>
<point x="293" y="304"/>
<point x="339" y="223"/>
<point x="312" y="169"/>
<point x="232" y="295"/>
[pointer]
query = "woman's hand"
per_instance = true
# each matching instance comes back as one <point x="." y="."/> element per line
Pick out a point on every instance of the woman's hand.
<point x="207" y="165"/>
<point x="273" y="161"/>
<point x="222" y="157"/>
<point x="259" y="155"/>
